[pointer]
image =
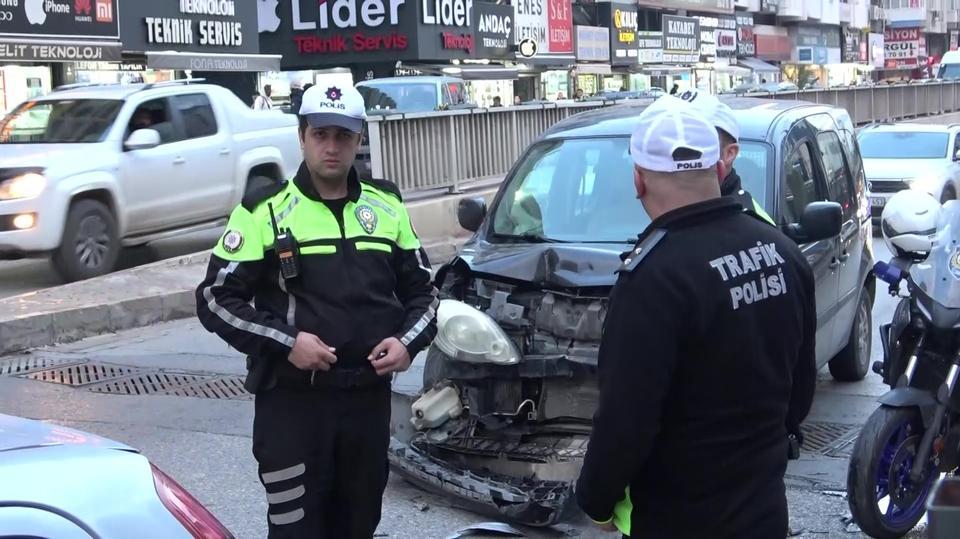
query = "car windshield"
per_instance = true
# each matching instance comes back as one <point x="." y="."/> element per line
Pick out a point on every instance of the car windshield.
<point x="61" y="121"/>
<point x="581" y="190"/>
<point x="903" y="145"/>
<point x="405" y="97"/>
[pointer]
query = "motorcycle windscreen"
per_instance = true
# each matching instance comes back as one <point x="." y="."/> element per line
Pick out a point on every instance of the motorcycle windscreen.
<point x="938" y="277"/>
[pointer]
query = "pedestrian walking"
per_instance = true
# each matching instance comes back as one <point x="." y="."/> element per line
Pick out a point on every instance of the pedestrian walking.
<point x="263" y="101"/>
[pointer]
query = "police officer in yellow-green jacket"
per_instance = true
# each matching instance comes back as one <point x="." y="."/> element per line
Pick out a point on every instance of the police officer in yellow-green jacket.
<point x="728" y="129"/>
<point x="342" y="297"/>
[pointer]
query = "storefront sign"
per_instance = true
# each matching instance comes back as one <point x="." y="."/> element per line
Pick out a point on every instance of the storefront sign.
<point x="725" y="37"/>
<point x="212" y="61"/>
<point x="772" y="43"/>
<point x="876" y="46"/>
<point x="60" y="18"/>
<point x="812" y="44"/>
<point x="494" y="30"/>
<point x="560" y="14"/>
<point x="201" y="26"/>
<point x="53" y="51"/>
<point x="851" y="45"/>
<point x="681" y="40"/>
<point x="623" y="31"/>
<point x="954" y="40"/>
<point x="592" y="43"/>
<point x="650" y="45"/>
<point x="447" y="12"/>
<point x="745" y="44"/>
<point x="901" y="47"/>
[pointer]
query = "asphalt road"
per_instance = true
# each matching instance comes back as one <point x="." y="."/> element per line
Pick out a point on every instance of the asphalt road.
<point x="21" y="276"/>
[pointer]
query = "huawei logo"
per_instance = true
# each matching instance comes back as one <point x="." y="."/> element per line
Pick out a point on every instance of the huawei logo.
<point x="82" y="7"/>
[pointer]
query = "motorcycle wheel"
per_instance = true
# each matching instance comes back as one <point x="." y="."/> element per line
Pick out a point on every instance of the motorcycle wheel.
<point x="884" y="502"/>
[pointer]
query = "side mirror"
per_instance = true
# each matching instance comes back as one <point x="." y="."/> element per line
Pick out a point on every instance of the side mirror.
<point x="142" y="139"/>
<point x="471" y="212"/>
<point x="820" y="221"/>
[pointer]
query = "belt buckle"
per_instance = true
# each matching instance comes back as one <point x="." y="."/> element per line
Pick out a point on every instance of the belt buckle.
<point x="313" y="375"/>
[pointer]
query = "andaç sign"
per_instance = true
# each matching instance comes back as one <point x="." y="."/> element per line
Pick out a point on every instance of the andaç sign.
<point x="681" y="40"/>
<point x="493" y="30"/>
<point x="211" y="26"/>
<point x="84" y="19"/>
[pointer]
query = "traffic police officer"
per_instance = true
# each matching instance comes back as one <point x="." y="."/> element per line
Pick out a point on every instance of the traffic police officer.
<point x="342" y="298"/>
<point x="728" y="129"/>
<point x="707" y="353"/>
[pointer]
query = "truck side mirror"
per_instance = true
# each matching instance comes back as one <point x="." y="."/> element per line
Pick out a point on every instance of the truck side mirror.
<point x="142" y="139"/>
<point x="471" y="212"/>
<point x="820" y="221"/>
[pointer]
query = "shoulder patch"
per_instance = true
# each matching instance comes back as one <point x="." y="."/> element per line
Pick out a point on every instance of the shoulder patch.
<point x="256" y="196"/>
<point x="642" y="250"/>
<point x="386" y="186"/>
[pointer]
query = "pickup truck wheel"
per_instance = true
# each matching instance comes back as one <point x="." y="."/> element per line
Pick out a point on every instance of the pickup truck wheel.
<point x="852" y="363"/>
<point x="90" y="245"/>
<point x="257" y="182"/>
<point x="948" y="194"/>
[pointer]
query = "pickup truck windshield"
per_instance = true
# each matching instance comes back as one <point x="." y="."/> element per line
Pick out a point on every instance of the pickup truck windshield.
<point x="581" y="190"/>
<point x="406" y="97"/>
<point x="60" y="121"/>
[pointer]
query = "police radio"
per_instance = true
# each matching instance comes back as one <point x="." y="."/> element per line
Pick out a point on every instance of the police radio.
<point x="288" y="252"/>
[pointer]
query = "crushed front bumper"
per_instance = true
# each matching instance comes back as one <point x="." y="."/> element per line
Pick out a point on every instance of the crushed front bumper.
<point x="525" y="501"/>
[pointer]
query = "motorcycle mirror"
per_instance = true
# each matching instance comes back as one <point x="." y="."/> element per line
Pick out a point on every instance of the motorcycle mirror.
<point x="820" y="221"/>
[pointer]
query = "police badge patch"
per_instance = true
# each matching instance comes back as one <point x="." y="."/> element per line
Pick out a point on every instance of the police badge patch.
<point x="955" y="263"/>
<point x="367" y="218"/>
<point x="232" y="241"/>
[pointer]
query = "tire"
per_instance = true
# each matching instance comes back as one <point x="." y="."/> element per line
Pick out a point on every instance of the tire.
<point x="258" y="182"/>
<point x="949" y="193"/>
<point x="90" y="244"/>
<point x="853" y="362"/>
<point x="881" y="455"/>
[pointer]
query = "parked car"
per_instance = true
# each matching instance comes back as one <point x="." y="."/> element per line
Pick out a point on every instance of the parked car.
<point x="88" y="170"/>
<point x="63" y="483"/>
<point x="424" y="93"/>
<point x="898" y="156"/>
<point x="507" y="433"/>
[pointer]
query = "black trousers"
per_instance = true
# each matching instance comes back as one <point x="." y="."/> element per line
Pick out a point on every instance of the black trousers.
<point x="322" y="455"/>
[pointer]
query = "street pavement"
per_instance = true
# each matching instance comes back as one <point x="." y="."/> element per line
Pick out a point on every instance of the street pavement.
<point x="205" y="442"/>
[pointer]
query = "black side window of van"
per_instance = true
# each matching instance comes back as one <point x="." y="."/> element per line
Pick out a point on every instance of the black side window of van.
<point x="800" y="188"/>
<point x="197" y="115"/>
<point x="855" y="162"/>
<point x="838" y="181"/>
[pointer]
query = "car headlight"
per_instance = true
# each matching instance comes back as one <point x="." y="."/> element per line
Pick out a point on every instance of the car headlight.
<point x="27" y="185"/>
<point x="466" y="334"/>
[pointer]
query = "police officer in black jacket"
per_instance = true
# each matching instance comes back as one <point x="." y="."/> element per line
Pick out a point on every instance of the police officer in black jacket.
<point x="342" y="297"/>
<point x="707" y="353"/>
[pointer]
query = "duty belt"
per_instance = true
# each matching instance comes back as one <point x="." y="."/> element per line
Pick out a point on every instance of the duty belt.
<point x="336" y="377"/>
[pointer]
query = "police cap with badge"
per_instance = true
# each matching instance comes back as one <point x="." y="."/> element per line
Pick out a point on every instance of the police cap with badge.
<point x="334" y="107"/>
<point x="670" y="137"/>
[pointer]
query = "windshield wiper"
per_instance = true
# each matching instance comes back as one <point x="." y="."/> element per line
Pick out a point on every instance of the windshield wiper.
<point x="528" y="237"/>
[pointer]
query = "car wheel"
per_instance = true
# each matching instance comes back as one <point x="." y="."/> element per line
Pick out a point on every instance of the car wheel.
<point x="258" y="182"/>
<point x="852" y="363"/>
<point x="90" y="245"/>
<point x="948" y="194"/>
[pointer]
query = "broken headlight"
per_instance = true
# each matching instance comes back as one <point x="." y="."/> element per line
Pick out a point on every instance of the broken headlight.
<point x="467" y="334"/>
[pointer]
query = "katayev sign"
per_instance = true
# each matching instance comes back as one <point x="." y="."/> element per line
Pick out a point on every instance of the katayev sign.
<point x="203" y="26"/>
<point x="78" y="19"/>
<point x="681" y="40"/>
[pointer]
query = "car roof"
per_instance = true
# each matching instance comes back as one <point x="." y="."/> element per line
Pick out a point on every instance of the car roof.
<point x="19" y="433"/>
<point x="116" y="91"/>
<point x="756" y="116"/>
<point x="416" y="78"/>
<point x="913" y="128"/>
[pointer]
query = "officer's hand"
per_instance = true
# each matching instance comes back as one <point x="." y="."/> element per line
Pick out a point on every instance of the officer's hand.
<point x="310" y="353"/>
<point x="389" y="356"/>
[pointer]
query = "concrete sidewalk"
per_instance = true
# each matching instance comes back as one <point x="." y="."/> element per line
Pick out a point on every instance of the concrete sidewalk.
<point x="164" y="290"/>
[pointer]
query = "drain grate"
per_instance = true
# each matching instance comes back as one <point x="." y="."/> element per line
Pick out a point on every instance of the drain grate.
<point x="146" y="384"/>
<point x="227" y="387"/>
<point x="824" y="437"/>
<point x="843" y="447"/>
<point x="25" y="364"/>
<point x="80" y="375"/>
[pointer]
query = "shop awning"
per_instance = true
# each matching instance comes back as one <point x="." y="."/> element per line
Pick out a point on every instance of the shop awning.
<point x="756" y="64"/>
<point x="213" y="62"/>
<point x="549" y="60"/>
<point x="593" y="69"/>
<point x="663" y="68"/>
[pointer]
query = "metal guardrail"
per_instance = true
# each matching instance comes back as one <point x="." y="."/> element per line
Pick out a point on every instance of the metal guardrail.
<point x="446" y="149"/>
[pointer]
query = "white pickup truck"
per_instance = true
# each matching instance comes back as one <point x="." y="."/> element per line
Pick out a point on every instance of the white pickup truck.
<point x="89" y="170"/>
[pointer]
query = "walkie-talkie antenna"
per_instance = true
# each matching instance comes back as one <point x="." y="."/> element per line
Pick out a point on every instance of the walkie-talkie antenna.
<point x="273" y="219"/>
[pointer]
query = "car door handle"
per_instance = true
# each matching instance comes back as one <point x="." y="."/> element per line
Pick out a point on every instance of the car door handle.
<point x="834" y="264"/>
<point x="844" y="257"/>
<point x="225" y="151"/>
<point x="179" y="161"/>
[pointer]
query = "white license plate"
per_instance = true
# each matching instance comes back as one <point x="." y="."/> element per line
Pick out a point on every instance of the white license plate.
<point x="878" y="201"/>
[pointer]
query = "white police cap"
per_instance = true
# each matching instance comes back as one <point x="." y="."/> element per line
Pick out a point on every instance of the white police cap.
<point x="333" y="106"/>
